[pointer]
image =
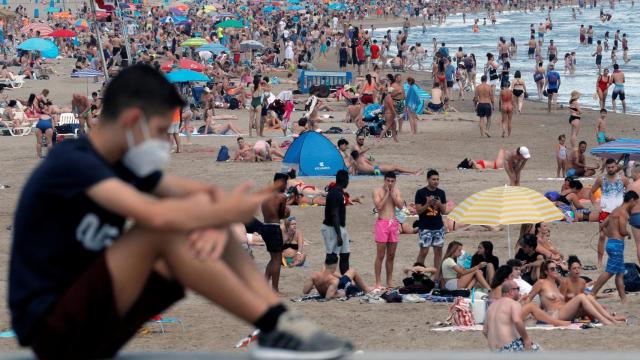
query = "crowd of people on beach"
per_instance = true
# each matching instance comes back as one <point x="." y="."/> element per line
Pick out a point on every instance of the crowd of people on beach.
<point x="122" y="276"/>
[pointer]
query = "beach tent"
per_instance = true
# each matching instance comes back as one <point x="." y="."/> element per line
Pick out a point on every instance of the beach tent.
<point x="312" y="154"/>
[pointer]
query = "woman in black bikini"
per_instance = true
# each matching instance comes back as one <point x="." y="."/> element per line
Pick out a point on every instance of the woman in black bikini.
<point x="519" y="90"/>
<point x="292" y="250"/>
<point x="574" y="117"/>
<point x="568" y="201"/>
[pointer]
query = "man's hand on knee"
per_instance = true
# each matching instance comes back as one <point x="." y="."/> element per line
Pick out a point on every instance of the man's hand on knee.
<point x="208" y="243"/>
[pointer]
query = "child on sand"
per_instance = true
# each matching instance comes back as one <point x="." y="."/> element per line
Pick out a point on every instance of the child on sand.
<point x="561" y="156"/>
<point x="601" y="128"/>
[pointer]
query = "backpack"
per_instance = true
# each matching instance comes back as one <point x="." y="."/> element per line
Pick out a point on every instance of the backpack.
<point x="459" y="313"/>
<point x="631" y="277"/>
<point x="223" y="153"/>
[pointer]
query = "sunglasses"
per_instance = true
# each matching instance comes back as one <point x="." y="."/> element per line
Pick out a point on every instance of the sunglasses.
<point x="515" y="288"/>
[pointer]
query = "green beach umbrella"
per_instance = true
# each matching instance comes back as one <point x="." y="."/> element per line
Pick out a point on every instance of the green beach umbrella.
<point x="194" y="42"/>
<point x="230" y="24"/>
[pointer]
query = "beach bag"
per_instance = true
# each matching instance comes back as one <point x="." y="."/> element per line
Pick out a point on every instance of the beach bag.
<point x="223" y="153"/>
<point x="631" y="277"/>
<point x="459" y="313"/>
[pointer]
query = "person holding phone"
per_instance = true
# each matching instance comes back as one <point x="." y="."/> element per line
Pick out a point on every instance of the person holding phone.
<point x="430" y="206"/>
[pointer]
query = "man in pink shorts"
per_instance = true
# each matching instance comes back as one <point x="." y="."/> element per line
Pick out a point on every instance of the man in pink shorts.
<point x="386" y="199"/>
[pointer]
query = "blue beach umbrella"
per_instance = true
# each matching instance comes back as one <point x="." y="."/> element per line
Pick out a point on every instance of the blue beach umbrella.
<point x="337" y="6"/>
<point x="619" y="148"/>
<point x="293" y="1"/>
<point x="213" y="48"/>
<point x="295" y="8"/>
<point x="183" y="76"/>
<point x="47" y="47"/>
<point x="269" y="9"/>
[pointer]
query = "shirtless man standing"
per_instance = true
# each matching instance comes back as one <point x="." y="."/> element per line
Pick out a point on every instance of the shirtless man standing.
<point x="576" y="165"/>
<point x="503" y="326"/>
<point x="514" y="163"/>
<point x="615" y="227"/>
<point x="330" y="285"/>
<point x="274" y="209"/>
<point x="81" y="106"/>
<point x="363" y="166"/>
<point x="634" y="219"/>
<point x="386" y="199"/>
<point x="617" y="79"/>
<point x="484" y="105"/>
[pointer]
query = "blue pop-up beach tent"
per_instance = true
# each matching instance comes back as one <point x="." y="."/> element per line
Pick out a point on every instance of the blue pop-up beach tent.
<point x="312" y="154"/>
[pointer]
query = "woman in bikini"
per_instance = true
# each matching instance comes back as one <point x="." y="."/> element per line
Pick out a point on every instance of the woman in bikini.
<point x="293" y="245"/>
<point x="498" y="163"/>
<point x="519" y="90"/>
<point x="368" y="90"/>
<point x="256" y="105"/>
<point x="575" y="114"/>
<point x="303" y="188"/>
<point x="538" y="77"/>
<point x="602" y="87"/>
<point x="506" y="108"/>
<point x="299" y="199"/>
<point x="555" y="304"/>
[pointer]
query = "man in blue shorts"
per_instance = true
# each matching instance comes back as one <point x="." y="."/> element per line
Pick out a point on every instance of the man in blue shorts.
<point x="615" y="227"/>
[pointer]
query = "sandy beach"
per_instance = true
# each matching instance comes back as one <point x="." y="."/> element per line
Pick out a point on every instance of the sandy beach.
<point x="442" y="142"/>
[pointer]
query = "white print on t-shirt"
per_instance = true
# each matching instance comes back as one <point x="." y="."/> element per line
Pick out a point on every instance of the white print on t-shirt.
<point x="92" y="235"/>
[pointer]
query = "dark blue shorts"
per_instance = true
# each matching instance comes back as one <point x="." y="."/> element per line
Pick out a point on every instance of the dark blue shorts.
<point x="44" y="125"/>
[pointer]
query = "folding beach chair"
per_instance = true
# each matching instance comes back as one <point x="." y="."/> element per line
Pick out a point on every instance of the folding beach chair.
<point x="68" y="121"/>
<point x="162" y="321"/>
<point x="22" y="130"/>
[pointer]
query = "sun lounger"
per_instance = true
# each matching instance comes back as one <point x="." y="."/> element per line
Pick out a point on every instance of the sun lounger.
<point x="15" y="83"/>
<point x="69" y="119"/>
<point x="22" y="130"/>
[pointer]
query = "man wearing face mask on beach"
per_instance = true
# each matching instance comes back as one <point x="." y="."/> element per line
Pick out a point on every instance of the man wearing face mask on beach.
<point x="74" y="264"/>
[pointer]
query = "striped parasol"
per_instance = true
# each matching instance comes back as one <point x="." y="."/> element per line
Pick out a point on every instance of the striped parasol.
<point x="505" y="205"/>
<point x="44" y="29"/>
<point x="619" y="149"/>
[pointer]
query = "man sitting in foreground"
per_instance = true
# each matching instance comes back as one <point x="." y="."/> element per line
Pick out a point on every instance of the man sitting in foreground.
<point x="503" y="326"/>
<point x="363" y="166"/>
<point x="330" y="285"/>
<point x="73" y="264"/>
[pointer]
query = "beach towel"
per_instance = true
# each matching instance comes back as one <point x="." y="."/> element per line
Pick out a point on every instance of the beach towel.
<point x="309" y="298"/>
<point x="574" y="326"/>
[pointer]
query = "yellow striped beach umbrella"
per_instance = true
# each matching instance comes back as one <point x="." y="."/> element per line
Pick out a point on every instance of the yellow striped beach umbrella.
<point x="506" y="205"/>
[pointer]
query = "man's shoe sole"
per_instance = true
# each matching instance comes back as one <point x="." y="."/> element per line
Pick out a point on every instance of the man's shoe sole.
<point x="263" y="353"/>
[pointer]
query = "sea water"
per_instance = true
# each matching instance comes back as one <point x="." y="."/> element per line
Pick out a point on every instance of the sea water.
<point x="565" y="35"/>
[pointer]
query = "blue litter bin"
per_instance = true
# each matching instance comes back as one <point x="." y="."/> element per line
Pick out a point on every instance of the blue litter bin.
<point x="36" y="13"/>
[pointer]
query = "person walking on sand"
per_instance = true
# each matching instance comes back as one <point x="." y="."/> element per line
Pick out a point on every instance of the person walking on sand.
<point x="484" y="105"/>
<point x="514" y="162"/>
<point x="386" y="199"/>
<point x="506" y="108"/>
<point x="615" y="228"/>
<point x="274" y="209"/>
<point x="430" y="206"/>
<point x="617" y="79"/>
<point x="552" y="84"/>
<point x="504" y="328"/>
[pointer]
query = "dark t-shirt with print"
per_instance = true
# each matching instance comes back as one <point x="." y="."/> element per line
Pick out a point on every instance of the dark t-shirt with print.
<point x="431" y="219"/>
<point x="59" y="231"/>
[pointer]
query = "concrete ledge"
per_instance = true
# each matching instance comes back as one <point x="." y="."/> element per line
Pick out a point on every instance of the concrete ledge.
<point x="373" y="355"/>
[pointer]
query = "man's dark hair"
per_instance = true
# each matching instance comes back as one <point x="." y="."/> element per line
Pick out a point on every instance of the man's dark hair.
<point x="610" y="161"/>
<point x="342" y="142"/>
<point x="280" y="176"/>
<point x="143" y="87"/>
<point x="514" y="263"/>
<point x="331" y="259"/>
<point x="582" y="142"/>
<point x="630" y="195"/>
<point x="342" y="178"/>
<point x="575" y="184"/>
<point x="355" y="154"/>
<point x="94" y="94"/>
<point x="530" y="240"/>
<point x="616" y="66"/>
<point x="431" y="173"/>
<point x="389" y="175"/>
<point x="483" y="78"/>
<point x="302" y="122"/>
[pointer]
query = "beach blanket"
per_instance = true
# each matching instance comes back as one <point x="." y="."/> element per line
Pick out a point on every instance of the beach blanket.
<point x="574" y="326"/>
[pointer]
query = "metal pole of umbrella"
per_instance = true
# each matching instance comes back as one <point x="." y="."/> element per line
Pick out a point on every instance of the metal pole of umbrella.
<point x="95" y="23"/>
<point x="509" y="240"/>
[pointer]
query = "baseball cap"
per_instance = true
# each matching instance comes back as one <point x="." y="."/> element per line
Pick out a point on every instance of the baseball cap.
<point x="524" y="151"/>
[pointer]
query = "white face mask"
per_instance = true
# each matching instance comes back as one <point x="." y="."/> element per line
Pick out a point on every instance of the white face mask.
<point x="147" y="157"/>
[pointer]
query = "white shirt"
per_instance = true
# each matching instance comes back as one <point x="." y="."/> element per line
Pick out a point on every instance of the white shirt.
<point x="288" y="52"/>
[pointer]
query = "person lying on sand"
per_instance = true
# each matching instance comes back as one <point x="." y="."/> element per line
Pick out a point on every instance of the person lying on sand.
<point x="304" y="189"/>
<point x="363" y="166"/>
<point x="498" y="163"/>
<point x="267" y="151"/>
<point x="330" y="285"/>
<point x="569" y="203"/>
<point x="244" y="152"/>
<point x="297" y="198"/>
